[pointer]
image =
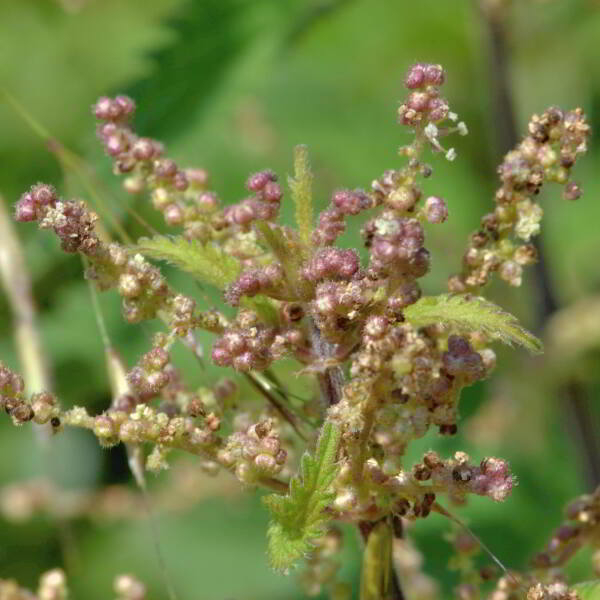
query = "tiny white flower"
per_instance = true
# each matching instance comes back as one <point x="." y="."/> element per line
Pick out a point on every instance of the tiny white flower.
<point x="431" y="131"/>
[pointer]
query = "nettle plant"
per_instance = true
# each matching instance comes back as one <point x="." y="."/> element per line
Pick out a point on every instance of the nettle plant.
<point x="388" y="363"/>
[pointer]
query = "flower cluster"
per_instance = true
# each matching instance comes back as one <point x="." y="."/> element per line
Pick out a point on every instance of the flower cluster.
<point x="144" y="290"/>
<point x="389" y="363"/>
<point x="254" y="452"/>
<point x="581" y="527"/>
<point x="556" y="139"/>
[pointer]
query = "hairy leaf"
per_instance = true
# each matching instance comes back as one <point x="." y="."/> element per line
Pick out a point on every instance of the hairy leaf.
<point x="299" y="517"/>
<point x="301" y="186"/>
<point x="471" y="313"/>
<point x="206" y="262"/>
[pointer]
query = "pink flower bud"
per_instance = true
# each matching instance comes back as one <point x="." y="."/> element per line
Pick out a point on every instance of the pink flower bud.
<point x="126" y="104"/>
<point x="259" y="180"/>
<point x="436" y="210"/>
<point x="173" y="214"/>
<point x="103" y="108"/>
<point x="272" y="192"/>
<point x="434" y="75"/>
<point x="143" y="149"/>
<point x="415" y="78"/>
<point x="25" y="209"/>
<point x="114" y="145"/>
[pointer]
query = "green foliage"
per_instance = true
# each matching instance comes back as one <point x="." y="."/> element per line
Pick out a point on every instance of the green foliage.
<point x="301" y="186"/>
<point x="208" y="38"/>
<point x="466" y="314"/>
<point x="206" y="262"/>
<point x="588" y="590"/>
<point x="298" y="518"/>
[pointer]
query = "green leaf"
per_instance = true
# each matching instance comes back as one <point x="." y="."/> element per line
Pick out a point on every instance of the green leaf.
<point x="588" y="590"/>
<point x="206" y="262"/>
<point x="301" y="187"/>
<point x="299" y="517"/>
<point x="206" y="39"/>
<point x="466" y="314"/>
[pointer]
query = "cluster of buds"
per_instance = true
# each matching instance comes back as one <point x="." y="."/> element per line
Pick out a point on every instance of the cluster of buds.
<point x="151" y="374"/>
<point x="582" y="526"/>
<point x="248" y="344"/>
<point x="556" y="140"/>
<point x="146" y="424"/>
<point x="266" y="280"/>
<point x="144" y="290"/>
<point x="458" y="477"/>
<point x="332" y="264"/>
<point x="339" y="306"/>
<point x="331" y="223"/>
<point x="396" y="246"/>
<point x="420" y="383"/>
<point x="141" y="157"/>
<point x="318" y="305"/>
<point x="370" y="496"/>
<point x="41" y="408"/>
<point x="557" y="590"/>
<point x="425" y="109"/>
<point x="264" y="205"/>
<point x="180" y="194"/>
<point x="72" y="222"/>
<point x="424" y="104"/>
<point x="254" y="452"/>
<point x="245" y="346"/>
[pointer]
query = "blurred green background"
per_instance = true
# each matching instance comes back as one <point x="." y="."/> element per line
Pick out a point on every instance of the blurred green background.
<point x="233" y="85"/>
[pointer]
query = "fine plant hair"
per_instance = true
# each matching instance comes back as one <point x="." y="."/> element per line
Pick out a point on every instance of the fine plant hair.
<point x="385" y="363"/>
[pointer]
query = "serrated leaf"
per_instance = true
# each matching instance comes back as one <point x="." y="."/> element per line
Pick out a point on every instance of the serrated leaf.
<point x="301" y="187"/>
<point x="207" y="38"/>
<point x="206" y="262"/>
<point x="466" y="314"/>
<point x="298" y="518"/>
